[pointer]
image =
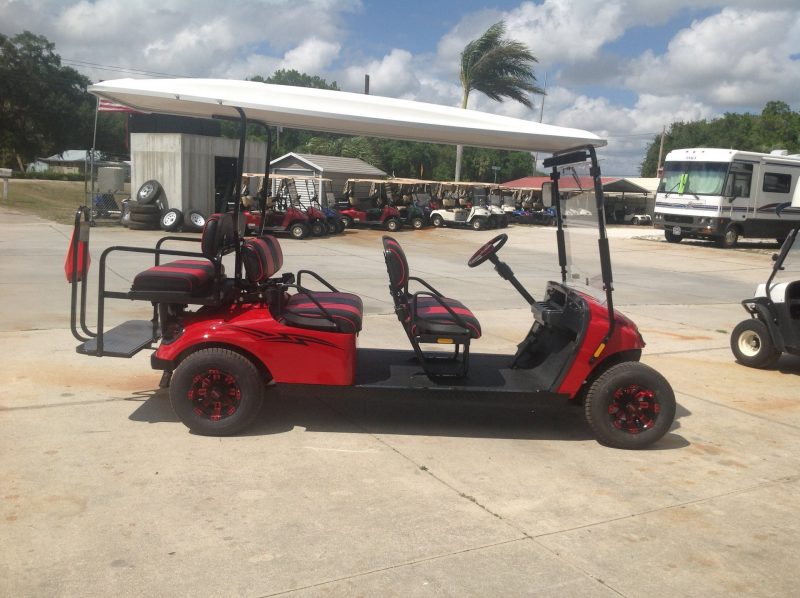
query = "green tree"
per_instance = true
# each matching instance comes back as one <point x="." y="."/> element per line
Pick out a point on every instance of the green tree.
<point x="44" y="106"/>
<point x="777" y="127"/>
<point x="498" y="67"/>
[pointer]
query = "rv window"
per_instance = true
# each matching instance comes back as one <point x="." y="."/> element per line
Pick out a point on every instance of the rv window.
<point x="775" y="182"/>
<point x="739" y="178"/>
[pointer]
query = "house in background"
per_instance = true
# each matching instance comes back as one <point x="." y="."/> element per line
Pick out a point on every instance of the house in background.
<point x="335" y="168"/>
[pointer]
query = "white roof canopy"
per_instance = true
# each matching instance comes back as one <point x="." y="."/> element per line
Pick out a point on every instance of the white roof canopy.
<point x="340" y="112"/>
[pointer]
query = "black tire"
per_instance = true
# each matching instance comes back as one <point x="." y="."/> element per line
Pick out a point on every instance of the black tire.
<point x="729" y="238"/>
<point x="171" y="220"/>
<point x="630" y="406"/>
<point x="153" y="219"/>
<point x="418" y="223"/>
<point x="671" y="237"/>
<point x="478" y="223"/>
<point x="216" y="392"/>
<point x="143" y="225"/>
<point x="437" y="221"/>
<point x="194" y="221"/>
<point x="317" y="229"/>
<point x="504" y="222"/>
<point x="393" y="225"/>
<point x="125" y="217"/>
<point x="298" y="230"/>
<point x="149" y="192"/>
<point x="139" y="208"/>
<point x="752" y="344"/>
<point x="340" y="227"/>
<point x="347" y="221"/>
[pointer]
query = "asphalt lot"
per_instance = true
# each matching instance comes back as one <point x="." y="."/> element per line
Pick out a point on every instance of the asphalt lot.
<point x="106" y="493"/>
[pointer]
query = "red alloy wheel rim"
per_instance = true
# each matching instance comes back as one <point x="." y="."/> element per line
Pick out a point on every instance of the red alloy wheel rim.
<point x="214" y="394"/>
<point x="634" y="409"/>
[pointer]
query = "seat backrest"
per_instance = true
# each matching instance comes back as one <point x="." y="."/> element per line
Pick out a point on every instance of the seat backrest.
<point x="219" y="235"/>
<point x="262" y="258"/>
<point x="397" y="267"/>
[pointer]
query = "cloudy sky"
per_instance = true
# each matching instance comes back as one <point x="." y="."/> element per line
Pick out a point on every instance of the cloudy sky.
<point x="619" y="68"/>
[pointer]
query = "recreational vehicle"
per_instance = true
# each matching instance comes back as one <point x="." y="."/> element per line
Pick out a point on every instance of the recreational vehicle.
<point x="722" y="195"/>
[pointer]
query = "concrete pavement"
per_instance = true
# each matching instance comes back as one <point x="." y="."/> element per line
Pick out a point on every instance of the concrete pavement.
<point x="105" y="492"/>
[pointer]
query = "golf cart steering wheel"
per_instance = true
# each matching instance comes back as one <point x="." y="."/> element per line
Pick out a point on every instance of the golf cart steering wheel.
<point x="487" y="250"/>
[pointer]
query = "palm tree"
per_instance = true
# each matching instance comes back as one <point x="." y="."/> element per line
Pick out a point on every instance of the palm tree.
<point x="498" y="67"/>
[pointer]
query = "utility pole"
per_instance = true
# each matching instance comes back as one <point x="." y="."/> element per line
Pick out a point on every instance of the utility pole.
<point x="660" y="151"/>
<point x="366" y="85"/>
<point x="541" y="115"/>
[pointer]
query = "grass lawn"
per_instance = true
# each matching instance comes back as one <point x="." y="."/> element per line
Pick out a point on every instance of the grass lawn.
<point x="53" y="200"/>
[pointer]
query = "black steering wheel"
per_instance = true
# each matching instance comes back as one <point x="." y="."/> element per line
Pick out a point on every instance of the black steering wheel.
<point x="487" y="250"/>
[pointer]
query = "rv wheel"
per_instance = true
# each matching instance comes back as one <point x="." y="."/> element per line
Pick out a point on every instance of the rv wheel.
<point x="752" y="344"/>
<point x="630" y="406"/>
<point x="216" y="392"/>
<point x="729" y="238"/>
<point x="672" y="237"/>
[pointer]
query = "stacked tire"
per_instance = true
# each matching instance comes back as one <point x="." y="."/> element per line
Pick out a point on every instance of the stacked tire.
<point x="145" y="212"/>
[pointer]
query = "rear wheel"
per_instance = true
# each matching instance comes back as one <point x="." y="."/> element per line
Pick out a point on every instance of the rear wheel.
<point x="418" y="223"/>
<point x="393" y="225"/>
<point x="299" y="230"/>
<point x="437" y="221"/>
<point x="216" y="392"/>
<point x="752" y="344"/>
<point x="317" y="229"/>
<point x="630" y="406"/>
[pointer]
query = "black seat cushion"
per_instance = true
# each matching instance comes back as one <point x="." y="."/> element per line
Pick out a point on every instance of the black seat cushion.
<point x="193" y="277"/>
<point x="345" y="309"/>
<point x="262" y="258"/>
<point x="431" y="317"/>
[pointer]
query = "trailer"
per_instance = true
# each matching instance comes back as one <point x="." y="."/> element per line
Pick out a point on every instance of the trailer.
<point x="724" y="194"/>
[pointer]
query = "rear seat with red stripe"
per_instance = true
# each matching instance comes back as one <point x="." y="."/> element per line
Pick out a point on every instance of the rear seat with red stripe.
<point x="330" y="311"/>
<point x="191" y="281"/>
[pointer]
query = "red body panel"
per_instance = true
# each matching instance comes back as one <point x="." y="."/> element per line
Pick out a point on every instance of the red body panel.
<point x="275" y="219"/>
<point x="624" y="338"/>
<point x="292" y="355"/>
<point x="360" y="216"/>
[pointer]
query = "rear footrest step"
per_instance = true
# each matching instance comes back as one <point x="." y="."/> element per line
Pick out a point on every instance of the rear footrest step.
<point x="125" y="340"/>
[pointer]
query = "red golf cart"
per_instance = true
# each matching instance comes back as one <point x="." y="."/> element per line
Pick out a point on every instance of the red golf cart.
<point x="221" y="338"/>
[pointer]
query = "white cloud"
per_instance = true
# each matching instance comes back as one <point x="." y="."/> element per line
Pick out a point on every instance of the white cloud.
<point x="731" y="59"/>
<point x="311" y="56"/>
<point x="393" y="75"/>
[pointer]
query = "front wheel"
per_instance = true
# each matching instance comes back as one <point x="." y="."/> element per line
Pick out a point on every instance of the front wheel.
<point x="216" y="392"/>
<point x="418" y="223"/>
<point x="479" y="223"/>
<point x="393" y="225"/>
<point x="672" y="237"/>
<point x="437" y="221"/>
<point x="630" y="406"/>
<point x="729" y="238"/>
<point x="752" y="344"/>
<point x="347" y="222"/>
